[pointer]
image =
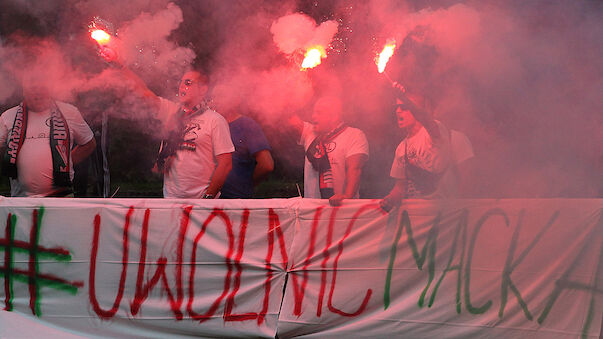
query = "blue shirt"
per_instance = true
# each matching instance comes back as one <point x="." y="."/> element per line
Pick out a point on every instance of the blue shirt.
<point x="248" y="139"/>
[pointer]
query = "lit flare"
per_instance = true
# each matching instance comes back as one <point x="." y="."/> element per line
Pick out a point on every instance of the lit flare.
<point x="313" y="57"/>
<point x="385" y="55"/>
<point x="100" y="36"/>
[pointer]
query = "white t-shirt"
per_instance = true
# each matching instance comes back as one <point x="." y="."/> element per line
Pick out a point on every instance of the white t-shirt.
<point x="427" y="160"/>
<point x="461" y="146"/>
<point x="350" y="141"/>
<point x="462" y="150"/>
<point x="207" y="135"/>
<point x="34" y="162"/>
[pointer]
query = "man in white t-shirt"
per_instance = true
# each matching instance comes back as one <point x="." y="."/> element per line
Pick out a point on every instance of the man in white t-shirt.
<point x="335" y="153"/>
<point x="196" y="153"/>
<point x="196" y="156"/>
<point x="456" y="180"/>
<point x="37" y="141"/>
<point x="422" y="157"/>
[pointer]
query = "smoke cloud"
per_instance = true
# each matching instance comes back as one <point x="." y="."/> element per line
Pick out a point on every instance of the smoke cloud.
<point x="7" y="85"/>
<point x="144" y="46"/>
<point x="40" y="60"/>
<point x="298" y="31"/>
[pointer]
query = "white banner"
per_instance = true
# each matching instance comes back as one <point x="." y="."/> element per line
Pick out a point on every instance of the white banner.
<point x="157" y="268"/>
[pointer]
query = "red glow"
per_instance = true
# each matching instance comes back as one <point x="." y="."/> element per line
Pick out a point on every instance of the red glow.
<point x="385" y="55"/>
<point x="313" y="57"/>
<point x="100" y="36"/>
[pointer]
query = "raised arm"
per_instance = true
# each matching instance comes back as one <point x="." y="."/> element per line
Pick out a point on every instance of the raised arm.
<point x="139" y="85"/>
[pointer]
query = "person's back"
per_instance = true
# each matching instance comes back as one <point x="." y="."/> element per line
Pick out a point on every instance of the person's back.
<point x="249" y="140"/>
<point x="456" y="180"/>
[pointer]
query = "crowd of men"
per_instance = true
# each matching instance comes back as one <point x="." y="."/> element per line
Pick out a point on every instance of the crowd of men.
<point x="206" y="154"/>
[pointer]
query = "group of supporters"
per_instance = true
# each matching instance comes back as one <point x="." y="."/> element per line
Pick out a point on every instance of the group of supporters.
<point x="205" y="154"/>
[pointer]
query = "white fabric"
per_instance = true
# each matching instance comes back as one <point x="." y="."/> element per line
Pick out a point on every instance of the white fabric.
<point x="510" y="268"/>
<point x="461" y="146"/>
<point x="191" y="171"/>
<point x="34" y="163"/>
<point x="423" y="152"/>
<point x="462" y="150"/>
<point x="350" y="142"/>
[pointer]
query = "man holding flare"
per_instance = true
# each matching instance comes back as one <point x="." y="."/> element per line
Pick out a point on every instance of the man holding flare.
<point x="423" y="155"/>
<point x="196" y="152"/>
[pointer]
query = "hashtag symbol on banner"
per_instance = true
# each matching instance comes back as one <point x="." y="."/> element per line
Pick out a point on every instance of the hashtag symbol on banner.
<point x="32" y="275"/>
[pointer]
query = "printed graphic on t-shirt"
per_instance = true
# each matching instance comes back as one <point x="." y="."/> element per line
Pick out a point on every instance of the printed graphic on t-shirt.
<point x="330" y="147"/>
<point x="190" y="136"/>
<point x="419" y="180"/>
<point x="39" y="136"/>
<point x="411" y="154"/>
<point x="318" y="151"/>
<point x="413" y="157"/>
